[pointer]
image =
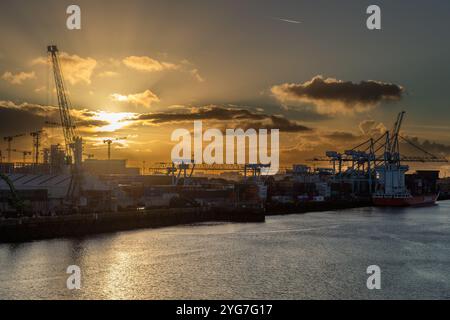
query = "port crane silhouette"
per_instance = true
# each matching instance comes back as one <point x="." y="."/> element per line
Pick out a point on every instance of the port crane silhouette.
<point x="73" y="142"/>
<point x="24" y="154"/>
<point x="369" y="150"/>
<point x="109" y="142"/>
<point x="382" y="151"/>
<point x="185" y="169"/>
<point x="9" y="140"/>
<point x="36" y="135"/>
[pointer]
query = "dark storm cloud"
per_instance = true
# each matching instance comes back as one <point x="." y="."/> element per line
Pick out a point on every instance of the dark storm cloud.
<point x="334" y="93"/>
<point x="88" y="113"/>
<point x="203" y="113"/>
<point x="91" y="123"/>
<point x="286" y="125"/>
<point x="341" y="136"/>
<point x="247" y="118"/>
<point x="16" y="119"/>
<point x="26" y="117"/>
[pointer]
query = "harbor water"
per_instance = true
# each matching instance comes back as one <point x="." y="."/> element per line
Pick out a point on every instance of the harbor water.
<point x="321" y="255"/>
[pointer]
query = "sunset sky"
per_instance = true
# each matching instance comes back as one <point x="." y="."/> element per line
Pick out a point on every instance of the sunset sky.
<point x="140" y="69"/>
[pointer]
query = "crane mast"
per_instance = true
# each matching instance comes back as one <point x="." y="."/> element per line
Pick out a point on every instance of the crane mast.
<point x="63" y="102"/>
<point x="36" y="144"/>
<point x="392" y="145"/>
<point x="73" y="143"/>
<point x="109" y="142"/>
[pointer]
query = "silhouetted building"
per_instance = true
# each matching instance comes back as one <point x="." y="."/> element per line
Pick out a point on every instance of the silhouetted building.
<point x="104" y="167"/>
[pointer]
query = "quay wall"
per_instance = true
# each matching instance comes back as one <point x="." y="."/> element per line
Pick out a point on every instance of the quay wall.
<point x="27" y="229"/>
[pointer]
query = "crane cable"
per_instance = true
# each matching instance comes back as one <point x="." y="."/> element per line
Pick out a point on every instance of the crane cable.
<point x="421" y="149"/>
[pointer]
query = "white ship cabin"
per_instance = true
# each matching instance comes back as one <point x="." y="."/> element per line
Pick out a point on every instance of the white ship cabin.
<point x="391" y="179"/>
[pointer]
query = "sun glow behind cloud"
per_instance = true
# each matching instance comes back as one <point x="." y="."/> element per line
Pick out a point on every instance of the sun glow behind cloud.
<point x="117" y="120"/>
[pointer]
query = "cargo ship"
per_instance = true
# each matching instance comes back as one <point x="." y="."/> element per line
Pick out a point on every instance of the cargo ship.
<point x="393" y="187"/>
<point x="393" y="190"/>
<point x="404" y="200"/>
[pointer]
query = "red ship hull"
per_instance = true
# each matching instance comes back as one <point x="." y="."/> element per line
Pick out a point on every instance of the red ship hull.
<point x="425" y="200"/>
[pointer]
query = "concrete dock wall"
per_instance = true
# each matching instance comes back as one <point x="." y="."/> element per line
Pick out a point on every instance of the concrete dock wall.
<point x="26" y="229"/>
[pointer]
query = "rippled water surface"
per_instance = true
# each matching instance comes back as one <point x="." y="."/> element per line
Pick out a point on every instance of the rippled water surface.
<point x="311" y="256"/>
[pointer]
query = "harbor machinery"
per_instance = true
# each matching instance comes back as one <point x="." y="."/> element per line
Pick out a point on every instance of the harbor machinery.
<point x="9" y="140"/>
<point x="109" y="142"/>
<point x="36" y="135"/>
<point x="73" y="142"/>
<point x="391" y="187"/>
<point x="24" y="154"/>
<point x="378" y="163"/>
<point x="36" y="144"/>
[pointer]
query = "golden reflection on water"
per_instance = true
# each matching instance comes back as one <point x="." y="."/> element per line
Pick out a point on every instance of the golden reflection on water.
<point x="299" y="256"/>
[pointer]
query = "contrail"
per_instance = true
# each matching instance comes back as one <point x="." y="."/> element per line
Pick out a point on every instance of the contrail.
<point x="288" y="20"/>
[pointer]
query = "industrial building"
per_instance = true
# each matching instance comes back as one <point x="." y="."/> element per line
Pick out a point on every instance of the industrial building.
<point x="45" y="194"/>
<point x="109" y="166"/>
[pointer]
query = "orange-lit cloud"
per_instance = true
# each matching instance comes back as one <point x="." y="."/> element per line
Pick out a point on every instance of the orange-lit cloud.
<point x="148" y="64"/>
<point x="40" y="89"/>
<point x="145" y="98"/>
<point x="371" y="127"/>
<point x="108" y="74"/>
<point x="18" y="78"/>
<point x="114" y="120"/>
<point x="76" y="69"/>
<point x="195" y="73"/>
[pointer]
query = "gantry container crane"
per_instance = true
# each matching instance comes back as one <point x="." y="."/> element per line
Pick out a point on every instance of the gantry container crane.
<point x="373" y="154"/>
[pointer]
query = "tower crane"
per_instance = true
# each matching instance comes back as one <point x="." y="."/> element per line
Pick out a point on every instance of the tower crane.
<point x="73" y="142"/>
<point x="24" y="154"/>
<point x="9" y="139"/>
<point x="36" y="144"/>
<point x="109" y="142"/>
